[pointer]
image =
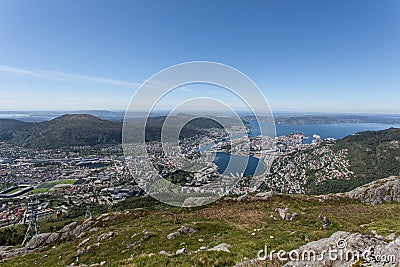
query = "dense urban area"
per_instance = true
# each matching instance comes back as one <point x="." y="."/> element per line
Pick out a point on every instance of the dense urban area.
<point x="91" y="176"/>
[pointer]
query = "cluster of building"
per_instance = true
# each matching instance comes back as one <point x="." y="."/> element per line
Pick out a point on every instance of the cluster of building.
<point x="101" y="174"/>
<point x="62" y="178"/>
<point x="295" y="168"/>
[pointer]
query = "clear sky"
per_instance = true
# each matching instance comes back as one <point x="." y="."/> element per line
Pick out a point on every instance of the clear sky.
<point x="333" y="56"/>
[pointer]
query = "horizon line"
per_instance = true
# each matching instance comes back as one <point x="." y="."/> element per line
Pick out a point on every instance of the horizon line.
<point x="212" y="111"/>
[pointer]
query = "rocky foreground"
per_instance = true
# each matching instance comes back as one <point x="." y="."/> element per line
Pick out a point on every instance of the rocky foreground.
<point x="348" y="249"/>
<point x="231" y="231"/>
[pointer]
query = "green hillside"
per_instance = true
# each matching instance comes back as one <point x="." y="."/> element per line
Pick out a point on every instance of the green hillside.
<point x="68" y="130"/>
<point x="372" y="155"/>
<point x="84" y="130"/>
<point x="8" y="127"/>
<point x="135" y="237"/>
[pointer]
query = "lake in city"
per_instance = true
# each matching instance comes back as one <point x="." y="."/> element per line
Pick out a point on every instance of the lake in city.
<point x="238" y="164"/>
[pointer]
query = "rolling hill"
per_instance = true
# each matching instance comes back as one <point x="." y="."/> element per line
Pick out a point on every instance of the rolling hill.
<point x="9" y="126"/>
<point x="84" y="130"/>
<point x="68" y="130"/>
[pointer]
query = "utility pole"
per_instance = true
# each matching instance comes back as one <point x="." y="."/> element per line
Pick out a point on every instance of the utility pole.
<point x="33" y="228"/>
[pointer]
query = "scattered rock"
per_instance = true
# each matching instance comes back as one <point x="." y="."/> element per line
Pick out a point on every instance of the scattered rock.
<point x="262" y="196"/>
<point x="274" y="218"/>
<point x="146" y="235"/>
<point x="265" y="195"/>
<point x="325" y="222"/>
<point x="80" y="252"/>
<point x="181" y="251"/>
<point x="163" y="252"/>
<point x="197" y="201"/>
<point x="108" y="235"/>
<point x="182" y="230"/>
<point x="285" y="215"/>
<point x="83" y="242"/>
<point x="221" y="247"/>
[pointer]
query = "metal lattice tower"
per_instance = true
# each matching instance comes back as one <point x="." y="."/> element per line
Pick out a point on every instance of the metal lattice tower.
<point x="33" y="228"/>
<point x="88" y="213"/>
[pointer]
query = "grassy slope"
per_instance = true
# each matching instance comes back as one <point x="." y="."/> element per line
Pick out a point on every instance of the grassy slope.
<point x="226" y="221"/>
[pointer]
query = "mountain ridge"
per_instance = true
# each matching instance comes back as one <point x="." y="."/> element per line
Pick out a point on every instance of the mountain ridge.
<point x="85" y="129"/>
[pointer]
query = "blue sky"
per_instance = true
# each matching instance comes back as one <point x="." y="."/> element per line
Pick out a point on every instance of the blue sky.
<point x="323" y="56"/>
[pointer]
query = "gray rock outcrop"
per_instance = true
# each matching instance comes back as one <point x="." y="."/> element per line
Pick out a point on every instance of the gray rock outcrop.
<point x="37" y="241"/>
<point x="377" y="192"/>
<point x="72" y="229"/>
